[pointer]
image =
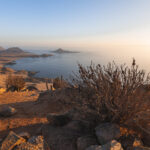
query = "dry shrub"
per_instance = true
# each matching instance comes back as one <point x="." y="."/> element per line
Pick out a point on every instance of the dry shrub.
<point x="114" y="93"/>
<point x="15" y="83"/>
<point x="59" y="82"/>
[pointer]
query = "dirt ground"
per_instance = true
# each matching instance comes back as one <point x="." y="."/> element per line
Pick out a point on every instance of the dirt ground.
<point x="31" y="112"/>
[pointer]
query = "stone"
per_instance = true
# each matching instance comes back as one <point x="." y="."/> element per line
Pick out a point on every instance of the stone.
<point x="112" y="145"/>
<point x="31" y="88"/>
<point x="106" y="132"/>
<point x="7" y="111"/>
<point x="34" y="143"/>
<point x="85" y="141"/>
<point x="137" y="143"/>
<point x="25" y="135"/>
<point x="58" y="119"/>
<point x="11" y="141"/>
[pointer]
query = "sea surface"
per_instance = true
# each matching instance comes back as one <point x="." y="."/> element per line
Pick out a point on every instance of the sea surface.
<point x="67" y="63"/>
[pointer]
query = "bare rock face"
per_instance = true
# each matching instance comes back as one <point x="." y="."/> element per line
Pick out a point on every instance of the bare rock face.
<point x="85" y="141"/>
<point x="11" y="141"/>
<point x="112" y="145"/>
<point x="7" y="111"/>
<point x="106" y="132"/>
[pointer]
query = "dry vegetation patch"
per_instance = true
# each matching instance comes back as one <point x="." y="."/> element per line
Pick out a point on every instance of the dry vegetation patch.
<point x="115" y="93"/>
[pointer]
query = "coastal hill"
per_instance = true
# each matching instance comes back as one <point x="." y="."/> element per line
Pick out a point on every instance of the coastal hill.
<point x="11" y="54"/>
<point x="18" y="52"/>
<point x="12" y="51"/>
<point x="61" y="51"/>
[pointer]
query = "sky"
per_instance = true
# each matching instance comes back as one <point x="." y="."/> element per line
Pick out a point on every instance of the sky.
<point x="75" y="24"/>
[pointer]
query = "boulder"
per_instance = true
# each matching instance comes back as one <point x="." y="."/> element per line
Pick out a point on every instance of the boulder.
<point x="112" y="145"/>
<point x="31" y="88"/>
<point x="106" y="132"/>
<point x="58" y="119"/>
<point x="7" y="111"/>
<point x="85" y="141"/>
<point x="11" y="141"/>
<point x="60" y="138"/>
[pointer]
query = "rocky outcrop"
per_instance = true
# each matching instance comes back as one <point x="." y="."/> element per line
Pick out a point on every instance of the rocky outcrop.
<point x="7" y="111"/>
<point x="112" y="145"/>
<point x="106" y="132"/>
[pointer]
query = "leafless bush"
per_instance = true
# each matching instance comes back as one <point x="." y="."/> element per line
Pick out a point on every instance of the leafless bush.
<point x="114" y="92"/>
<point x="15" y="83"/>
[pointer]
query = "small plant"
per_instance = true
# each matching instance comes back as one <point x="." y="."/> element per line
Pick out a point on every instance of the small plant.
<point x="59" y="83"/>
<point x="15" y="83"/>
<point x="114" y="93"/>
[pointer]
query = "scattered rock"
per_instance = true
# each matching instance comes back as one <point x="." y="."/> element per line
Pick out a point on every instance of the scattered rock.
<point x="11" y="141"/>
<point x="137" y="143"/>
<point x="31" y="88"/>
<point x="7" y="111"/>
<point x="27" y="146"/>
<point x="113" y="145"/>
<point x="24" y="135"/>
<point x="34" y="143"/>
<point x="85" y="141"/>
<point x="57" y="119"/>
<point x="12" y="89"/>
<point x="106" y="132"/>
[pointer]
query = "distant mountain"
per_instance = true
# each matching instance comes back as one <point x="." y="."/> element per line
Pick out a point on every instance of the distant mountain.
<point x="2" y="49"/>
<point x="61" y="51"/>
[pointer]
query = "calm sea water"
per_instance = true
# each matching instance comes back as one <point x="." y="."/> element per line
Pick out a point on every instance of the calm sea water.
<point x="65" y="64"/>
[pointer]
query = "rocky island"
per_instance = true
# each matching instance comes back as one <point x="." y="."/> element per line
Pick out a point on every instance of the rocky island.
<point x="11" y="54"/>
<point x="62" y="51"/>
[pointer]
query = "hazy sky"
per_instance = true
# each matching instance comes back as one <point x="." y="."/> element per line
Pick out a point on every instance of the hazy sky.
<point x="78" y="24"/>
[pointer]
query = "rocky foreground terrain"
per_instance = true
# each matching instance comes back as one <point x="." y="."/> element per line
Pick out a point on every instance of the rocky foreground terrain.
<point x="37" y="120"/>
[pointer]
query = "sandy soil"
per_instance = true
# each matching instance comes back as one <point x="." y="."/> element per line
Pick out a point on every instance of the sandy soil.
<point x="31" y="112"/>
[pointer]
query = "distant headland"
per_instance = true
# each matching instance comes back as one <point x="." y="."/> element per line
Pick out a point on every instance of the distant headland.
<point x="13" y="53"/>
